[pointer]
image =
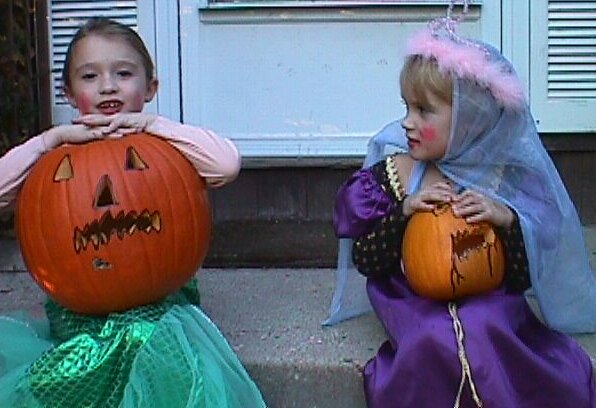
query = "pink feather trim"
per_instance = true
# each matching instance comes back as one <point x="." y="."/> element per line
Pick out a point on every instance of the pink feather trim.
<point x="471" y="62"/>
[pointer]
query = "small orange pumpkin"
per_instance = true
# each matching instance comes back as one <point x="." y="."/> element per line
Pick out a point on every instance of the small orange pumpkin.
<point x="445" y="258"/>
<point x="113" y="224"/>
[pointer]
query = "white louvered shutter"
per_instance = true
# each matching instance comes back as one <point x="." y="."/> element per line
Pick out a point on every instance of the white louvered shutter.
<point x="66" y="16"/>
<point x="563" y="65"/>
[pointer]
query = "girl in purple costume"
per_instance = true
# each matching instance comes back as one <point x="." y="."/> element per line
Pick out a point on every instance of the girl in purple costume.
<point x="468" y="138"/>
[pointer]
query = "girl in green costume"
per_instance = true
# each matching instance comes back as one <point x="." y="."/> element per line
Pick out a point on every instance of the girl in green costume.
<point x="168" y="354"/>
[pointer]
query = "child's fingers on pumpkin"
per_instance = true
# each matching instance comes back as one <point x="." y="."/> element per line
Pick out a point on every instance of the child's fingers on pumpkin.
<point x="425" y="201"/>
<point x="123" y="127"/>
<point x="470" y="198"/>
<point x="469" y="208"/>
<point x="467" y="195"/>
<point x="92" y="119"/>
<point x="73" y="134"/>
<point x="126" y="131"/>
<point x="79" y="120"/>
<point x="438" y="195"/>
<point x="499" y="214"/>
<point x="119" y="132"/>
<point x="476" y="218"/>
<point x="127" y="124"/>
<point x="113" y="126"/>
<point x="96" y="133"/>
<point x="485" y="213"/>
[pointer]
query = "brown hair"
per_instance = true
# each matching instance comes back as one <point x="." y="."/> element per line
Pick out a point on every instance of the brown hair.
<point x="108" y="28"/>
<point x="420" y="74"/>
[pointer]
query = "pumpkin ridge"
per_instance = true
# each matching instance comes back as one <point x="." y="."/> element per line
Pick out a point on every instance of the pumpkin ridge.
<point x="154" y="148"/>
<point x="191" y="192"/>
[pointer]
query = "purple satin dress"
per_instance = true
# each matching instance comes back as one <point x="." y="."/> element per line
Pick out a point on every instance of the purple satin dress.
<point x="515" y="361"/>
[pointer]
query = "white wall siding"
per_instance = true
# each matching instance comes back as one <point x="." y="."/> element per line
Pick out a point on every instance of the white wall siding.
<point x="317" y="79"/>
<point x="300" y="81"/>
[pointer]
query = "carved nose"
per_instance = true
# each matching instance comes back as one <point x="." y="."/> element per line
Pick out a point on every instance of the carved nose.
<point x="105" y="197"/>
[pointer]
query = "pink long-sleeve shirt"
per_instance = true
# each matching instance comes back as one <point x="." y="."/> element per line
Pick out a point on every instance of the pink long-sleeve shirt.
<point x="216" y="159"/>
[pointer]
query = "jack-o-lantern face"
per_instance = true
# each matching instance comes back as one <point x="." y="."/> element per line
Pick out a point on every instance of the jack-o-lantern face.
<point x="446" y="258"/>
<point x="113" y="224"/>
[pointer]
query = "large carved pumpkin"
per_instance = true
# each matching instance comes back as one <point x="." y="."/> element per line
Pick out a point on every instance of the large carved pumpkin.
<point x="445" y="258"/>
<point x="113" y="224"/>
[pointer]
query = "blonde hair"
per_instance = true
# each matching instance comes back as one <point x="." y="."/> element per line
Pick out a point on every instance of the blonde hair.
<point x="420" y="75"/>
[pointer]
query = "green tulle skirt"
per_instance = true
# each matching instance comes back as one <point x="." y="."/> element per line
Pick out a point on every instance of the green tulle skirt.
<point x="165" y="355"/>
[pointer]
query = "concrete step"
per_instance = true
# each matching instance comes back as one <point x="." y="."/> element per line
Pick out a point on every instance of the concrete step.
<point x="272" y="318"/>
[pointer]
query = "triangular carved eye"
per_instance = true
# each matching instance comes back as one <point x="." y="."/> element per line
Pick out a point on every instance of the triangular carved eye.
<point x="134" y="160"/>
<point x="64" y="170"/>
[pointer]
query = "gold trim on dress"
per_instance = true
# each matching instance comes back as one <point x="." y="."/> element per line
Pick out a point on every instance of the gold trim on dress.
<point x="394" y="181"/>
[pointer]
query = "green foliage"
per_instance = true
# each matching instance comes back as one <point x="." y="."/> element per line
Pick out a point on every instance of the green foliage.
<point x="18" y="83"/>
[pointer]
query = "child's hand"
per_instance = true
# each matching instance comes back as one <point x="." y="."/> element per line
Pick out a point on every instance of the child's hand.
<point x="475" y="207"/>
<point x="59" y="135"/>
<point x="119" y="124"/>
<point x="427" y="198"/>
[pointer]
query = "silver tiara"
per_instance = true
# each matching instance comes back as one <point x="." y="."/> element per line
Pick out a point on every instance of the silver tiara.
<point x="446" y="26"/>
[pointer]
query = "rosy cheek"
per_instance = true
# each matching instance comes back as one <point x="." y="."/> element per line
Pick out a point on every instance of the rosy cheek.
<point x="140" y="101"/>
<point x="429" y="134"/>
<point x="84" y="104"/>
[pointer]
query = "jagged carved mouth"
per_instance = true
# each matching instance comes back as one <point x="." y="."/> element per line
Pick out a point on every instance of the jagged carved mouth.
<point x="465" y="243"/>
<point x="477" y="239"/>
<point x="100" y="232"/>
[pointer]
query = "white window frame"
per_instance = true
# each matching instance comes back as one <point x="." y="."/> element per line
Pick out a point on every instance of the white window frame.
<point x="218" y="4"/>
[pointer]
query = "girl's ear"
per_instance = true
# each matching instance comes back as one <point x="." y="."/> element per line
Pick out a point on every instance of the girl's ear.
<point x="151" y="89"/>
